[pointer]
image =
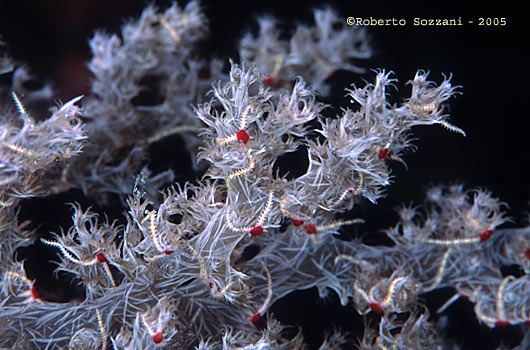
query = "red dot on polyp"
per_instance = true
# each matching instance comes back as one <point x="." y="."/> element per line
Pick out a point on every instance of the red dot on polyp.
<point x="242" y="136"/>
<point x="257" y="230"/>
<point x="158" y="337"/>
<point x="255" y="318"/>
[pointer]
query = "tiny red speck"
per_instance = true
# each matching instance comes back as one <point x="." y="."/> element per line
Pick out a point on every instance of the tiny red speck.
<point x="158" y="337"/>
<point x="383" y="154"/>
<point x="310" y="229"/>
<point x="527" y="253"/>
<point x="484" y="236"/>
<point x="242" y="136"/>
<point x="297" y="222"/>
<point x="377" y="308"/>
<point x="269" y="80"/>
<point x="101" y="258"/>
<point x="34" y="294"/>
<point x="255" y="318"/>
<point x="500" y="323"/>
<point x="168" y="251"/>
<point x="204" y="73"/>
<point x="257" y="230"/>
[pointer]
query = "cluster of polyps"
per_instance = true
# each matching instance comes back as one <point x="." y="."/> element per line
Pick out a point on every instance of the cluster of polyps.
<point x="31" y="293"/>
<point x="380" y="304"/>
<point x="300" y="220"/>
<point x="241" y="135"/>
<point x="98" y="258"/>
<point x="495" y="305"/>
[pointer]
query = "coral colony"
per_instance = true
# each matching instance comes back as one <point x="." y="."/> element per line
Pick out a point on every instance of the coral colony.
<point x="177" y="274"/>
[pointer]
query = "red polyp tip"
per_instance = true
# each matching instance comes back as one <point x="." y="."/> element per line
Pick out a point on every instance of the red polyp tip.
<point x="256" y="230"/>
<point x="242" y="136"/>
<point x="168" y="251"/>
<point x="500" y="323"/>
<point x="204" y="73"/>
<point x="34" y="294"/>
<point x="255" y="318"/>
<point x="297" y="222"/>
<point x="158" y="337"/>
<point x="310" y="229"/>
<point x="101" y="258"/>
<point x="484" y="236"/>
<point x="527" y="253"/>
<point x="377" y="308"/>
<point x="269" y="80"/>
<point x="383" y="154"/>
<point x="439" y="108"/>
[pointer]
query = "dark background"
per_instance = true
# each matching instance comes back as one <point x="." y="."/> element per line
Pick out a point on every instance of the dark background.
<point x="491" y="63"/>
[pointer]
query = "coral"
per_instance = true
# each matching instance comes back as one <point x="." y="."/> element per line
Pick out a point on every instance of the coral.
<point x="199" y="264"/>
